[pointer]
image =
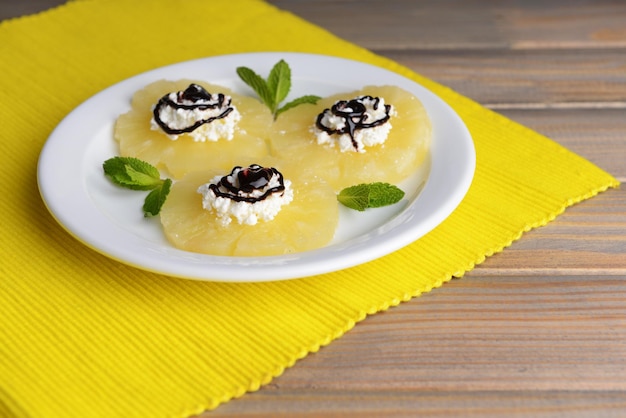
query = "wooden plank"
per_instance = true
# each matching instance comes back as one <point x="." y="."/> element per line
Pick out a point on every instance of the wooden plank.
<point x="540" y="24"/>
<point x="425" y="25"/>
<point x="10" y="9"/>
<point x="487" y="333"/>
<point x="459" y="24"/>
<point x="588" y="238"/>
<point x="505" y="79"/>
<point x="466" y="404"/>
<point x="536" y="340"/>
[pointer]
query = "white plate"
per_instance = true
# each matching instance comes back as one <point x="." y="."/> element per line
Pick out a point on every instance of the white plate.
<point x="108" y="218"/>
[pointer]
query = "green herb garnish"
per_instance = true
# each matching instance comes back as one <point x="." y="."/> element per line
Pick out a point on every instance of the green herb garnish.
<point x="371" y="195"/>
<point x="275" y="89"/>
<point x="135" y="174"/>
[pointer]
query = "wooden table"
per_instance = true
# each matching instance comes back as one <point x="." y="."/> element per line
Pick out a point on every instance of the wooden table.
<point x="540" y="329"/>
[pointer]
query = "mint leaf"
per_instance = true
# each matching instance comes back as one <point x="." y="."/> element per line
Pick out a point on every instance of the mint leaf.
<point x="135" y="174"/>
<point x="279" y="83"/>
<point x="144" y="180"/>
<point x="384" y="194"/>
<point x="132" y="173"/>
<point x="275" y="89"/>
<point x="355" y="197"/>
<point x="372" y="195"/>
<point x="309" y="99"/>
<point x="155" y="199"/>
<point x="257" y="83"/>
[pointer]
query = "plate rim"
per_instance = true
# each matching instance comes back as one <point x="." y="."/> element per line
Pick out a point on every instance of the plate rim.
<point x="282" y="267"/>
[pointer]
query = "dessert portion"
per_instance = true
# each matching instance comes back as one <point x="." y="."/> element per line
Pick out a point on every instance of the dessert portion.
<point x="270" y="211"/>
<point x="376" y="134"/>
<point x="354" y="124"/>
<point x="186" y="125"/>
<point x="195" y="111"/>
<point x="248" y="195"/>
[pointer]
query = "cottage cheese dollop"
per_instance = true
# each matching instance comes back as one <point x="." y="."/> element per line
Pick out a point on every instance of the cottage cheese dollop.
<point x="247" y="194"/>
<point x="354" y="124"/>
<point x="195" y="111"/>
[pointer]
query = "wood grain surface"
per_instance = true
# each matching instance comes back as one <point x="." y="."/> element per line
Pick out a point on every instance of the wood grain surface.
<point x="538" y="330"/>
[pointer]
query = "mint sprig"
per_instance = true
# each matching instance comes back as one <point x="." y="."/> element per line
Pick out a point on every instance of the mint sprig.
<point x="275" y="89"/>
<point x="135" y="174"/>
<point x="370" y="195"/>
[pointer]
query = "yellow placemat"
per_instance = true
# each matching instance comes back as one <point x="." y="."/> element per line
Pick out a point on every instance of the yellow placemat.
<point x="82" y="335"/>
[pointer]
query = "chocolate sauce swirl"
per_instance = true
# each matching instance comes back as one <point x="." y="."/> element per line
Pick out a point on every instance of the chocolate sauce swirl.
<point x="355" y="116"/>
<point x="201" y="100"/>
<point x="242" y="182"/>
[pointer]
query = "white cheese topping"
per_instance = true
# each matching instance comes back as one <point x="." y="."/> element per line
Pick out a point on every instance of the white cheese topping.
<point x="354" y="125"/>
<point x="196" y="112"/>
<point x="247" y="207"/>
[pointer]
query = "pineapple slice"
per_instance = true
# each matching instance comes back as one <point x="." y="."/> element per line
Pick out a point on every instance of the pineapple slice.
<point x="404" y="150"/>
<point x="308" y="222"/>
<point x="180" y="156"/>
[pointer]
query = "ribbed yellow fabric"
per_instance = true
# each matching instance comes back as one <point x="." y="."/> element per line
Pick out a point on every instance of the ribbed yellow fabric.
<point x="82" y="335"/>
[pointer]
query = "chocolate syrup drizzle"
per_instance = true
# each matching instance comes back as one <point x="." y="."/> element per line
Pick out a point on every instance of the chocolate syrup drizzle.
<point x="250" y="179"/>
<point x="193" y="93"/>
<point x="354" y="114"/>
